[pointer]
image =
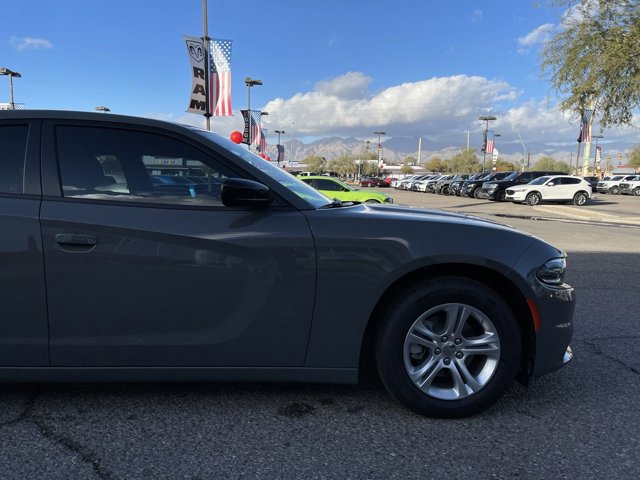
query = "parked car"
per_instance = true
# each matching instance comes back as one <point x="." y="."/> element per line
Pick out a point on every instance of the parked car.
<point x="95" y="282"/>
<point x="421" y="185"/>
<point x="401" y="185"/>
<point x="551" y="188"/>
<point x="430" y="186"/>
<point x="443" y="186"/>
<point x="630" y="187"/>
<point x="593" y="181"/>
<point x="471" y="188"/>
<point x="613" y="184"/>
<point x="413" y="185"/>
<point x="495" y="189"/>
<point x="334" y="188"/>
<point x="456" y="184"/>
<point x="372" y="182"/>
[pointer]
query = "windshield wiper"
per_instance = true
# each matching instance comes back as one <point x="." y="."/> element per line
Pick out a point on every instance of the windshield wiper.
<point x="335" y="203"/>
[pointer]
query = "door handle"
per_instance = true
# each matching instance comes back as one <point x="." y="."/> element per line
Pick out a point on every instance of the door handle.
<point x="79" y="240"/>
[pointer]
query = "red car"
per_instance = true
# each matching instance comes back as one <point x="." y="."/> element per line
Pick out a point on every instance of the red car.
<point x="374" y="182"/>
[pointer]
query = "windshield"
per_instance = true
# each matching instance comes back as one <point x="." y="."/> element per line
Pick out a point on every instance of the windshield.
<point x="284" y="178"/>
<point x="513" y="176"/>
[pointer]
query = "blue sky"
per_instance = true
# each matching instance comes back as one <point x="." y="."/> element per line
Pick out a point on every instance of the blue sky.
<point x="331" y="68"/>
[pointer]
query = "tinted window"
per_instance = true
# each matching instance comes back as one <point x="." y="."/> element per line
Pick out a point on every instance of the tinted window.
<point x="329" y="185"/>
<point x="569" y="180"/>
<point x="13" y="145"/>
<point x="124" y="165"/>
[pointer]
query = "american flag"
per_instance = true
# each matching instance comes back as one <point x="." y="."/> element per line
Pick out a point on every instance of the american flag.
<point x="262" y="144"/>
<point x="585" y="126"/>
<point x="490" y="141"/>
<point x="252" y="136"/>
<point x="220" y="77"/>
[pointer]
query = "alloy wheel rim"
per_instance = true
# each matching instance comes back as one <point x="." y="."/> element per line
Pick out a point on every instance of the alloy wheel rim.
<point x="451" y="351"/>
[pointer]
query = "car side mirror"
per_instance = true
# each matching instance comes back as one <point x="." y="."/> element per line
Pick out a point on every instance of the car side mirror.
<point x="240" y="192"/>
<point x="550" y="184"/>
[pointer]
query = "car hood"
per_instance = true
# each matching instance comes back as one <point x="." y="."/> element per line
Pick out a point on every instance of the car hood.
<point x="520" y="188"/>
<point x="417" y="214"/>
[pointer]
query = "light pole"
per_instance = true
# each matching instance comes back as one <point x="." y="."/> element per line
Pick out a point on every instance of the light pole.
<point x="10" y="74"/>
<point x="486" y="129"/>
<point x="102" y="108"/>
<point x="250" y="82"/>
<point x="379" y="133"/>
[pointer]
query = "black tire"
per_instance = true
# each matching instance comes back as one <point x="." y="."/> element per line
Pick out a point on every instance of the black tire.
<point x="636" y="191"/>
<point x="533" y="199"/>
<point x="580" y="199"/>
<point x="500" y="195"/>
<point x="614" y="190"/>
<point x="420" y="308"/>
<point x="476" y="193"/>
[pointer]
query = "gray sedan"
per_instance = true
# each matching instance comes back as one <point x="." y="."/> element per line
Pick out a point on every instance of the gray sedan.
<point x="248" y="274"/>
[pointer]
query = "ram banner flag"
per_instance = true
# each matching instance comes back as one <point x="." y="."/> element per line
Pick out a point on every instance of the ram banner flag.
<point x="198" y="97"/>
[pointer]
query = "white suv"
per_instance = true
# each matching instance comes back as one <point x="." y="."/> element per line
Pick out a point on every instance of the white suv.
<point x="613" y="184"/>
<point x="631" y="187"/>
<point x="551" y="188"/>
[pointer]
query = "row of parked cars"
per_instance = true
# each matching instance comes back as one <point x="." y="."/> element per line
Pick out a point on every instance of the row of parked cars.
<point x="530" y="187"/>
<point x="620" y="184"/>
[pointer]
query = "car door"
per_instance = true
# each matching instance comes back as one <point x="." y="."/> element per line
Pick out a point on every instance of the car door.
<point x="23" y="313"/>
<point x="165" y="275"/>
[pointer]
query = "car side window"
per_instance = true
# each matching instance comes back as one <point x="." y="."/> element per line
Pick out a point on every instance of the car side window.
<point x="328" y="185"/>
<point x="569" y="181"/>
<point x="136" y="166"/>
<point x="13" y="145"/>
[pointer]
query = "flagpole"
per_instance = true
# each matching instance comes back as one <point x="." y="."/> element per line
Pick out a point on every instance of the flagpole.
<point x="205" y="44"/>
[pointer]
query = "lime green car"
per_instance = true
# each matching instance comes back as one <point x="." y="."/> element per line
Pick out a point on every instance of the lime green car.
<point x="334" y="188"/>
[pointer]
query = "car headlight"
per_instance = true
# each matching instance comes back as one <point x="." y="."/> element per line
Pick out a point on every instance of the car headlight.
<point x="552" y="272"/>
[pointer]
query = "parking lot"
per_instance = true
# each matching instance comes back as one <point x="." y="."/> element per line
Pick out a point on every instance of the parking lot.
<point x="579" y="422"/>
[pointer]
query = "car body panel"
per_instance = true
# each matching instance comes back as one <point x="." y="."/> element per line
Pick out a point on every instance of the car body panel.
<point x="24" y="334"/>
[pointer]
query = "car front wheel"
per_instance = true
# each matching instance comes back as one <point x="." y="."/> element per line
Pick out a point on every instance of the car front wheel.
<point x="476" y="193"/>
<point x="636" y="191"/>
<point x="615" y="190"/>
<point x="533" y="199"/>
<point x="580" y="198"/>
<point x="500" y="195"/>
<point x="448" y="347"/>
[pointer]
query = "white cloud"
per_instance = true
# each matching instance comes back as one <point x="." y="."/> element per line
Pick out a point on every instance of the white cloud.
<point x="24" y="43"/>
<point x="440" y="110"/>
<point x="343" y="105"/>
<point x="476" y="16"/>
<point x="538" y="36"/>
